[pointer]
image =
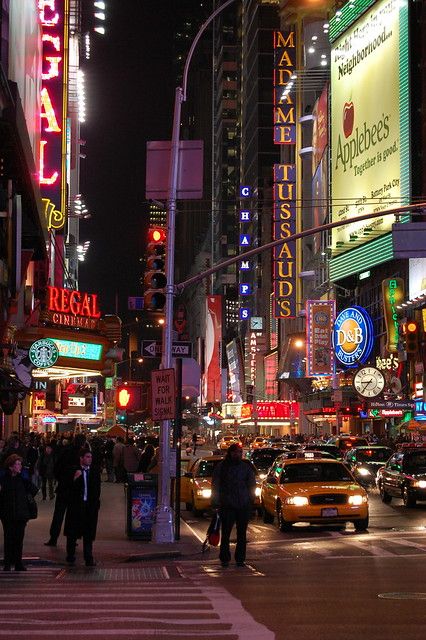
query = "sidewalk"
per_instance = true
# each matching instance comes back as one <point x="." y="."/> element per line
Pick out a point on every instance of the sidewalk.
<point x="111" y="545"/>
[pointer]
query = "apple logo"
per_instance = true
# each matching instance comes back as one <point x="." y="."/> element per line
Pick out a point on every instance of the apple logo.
<point x="348" y="118"/>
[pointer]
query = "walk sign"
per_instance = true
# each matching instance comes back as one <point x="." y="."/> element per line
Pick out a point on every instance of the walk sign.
<point x="163" y="394"/>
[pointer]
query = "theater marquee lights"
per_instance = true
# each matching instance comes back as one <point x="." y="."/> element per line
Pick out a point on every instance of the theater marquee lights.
<point x="52" y="174"/>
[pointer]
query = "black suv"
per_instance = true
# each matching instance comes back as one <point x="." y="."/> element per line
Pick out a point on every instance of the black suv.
<point x="404" y="476"/>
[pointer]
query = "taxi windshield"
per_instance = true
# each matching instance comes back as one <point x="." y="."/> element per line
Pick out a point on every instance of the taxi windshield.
<point x="373" y="455"/>
<point x="205" y="470"/>
<point x="315" y="472"/>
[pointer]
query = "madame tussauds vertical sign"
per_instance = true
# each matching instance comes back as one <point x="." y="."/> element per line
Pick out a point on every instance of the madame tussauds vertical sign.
<point x="284" y="212"/>
<point x="369" y="123"/>
<point x="52" y="176"/>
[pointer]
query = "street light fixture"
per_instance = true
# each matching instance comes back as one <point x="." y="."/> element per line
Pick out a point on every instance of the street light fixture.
<point x="163" y="527"/>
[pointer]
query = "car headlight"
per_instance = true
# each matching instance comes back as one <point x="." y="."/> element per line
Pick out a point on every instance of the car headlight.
<point x="204" y="493"/>
<point x="363" y="472"/>
<point x="262" y="476"/>
<point x="298" y="501"/>
<point x="421" y="484"/>
<point x="356" y="500"/>
<point x="257" y="492"/>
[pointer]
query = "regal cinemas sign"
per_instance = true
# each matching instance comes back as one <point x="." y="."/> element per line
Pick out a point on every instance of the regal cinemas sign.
<point x="71" y="308"/>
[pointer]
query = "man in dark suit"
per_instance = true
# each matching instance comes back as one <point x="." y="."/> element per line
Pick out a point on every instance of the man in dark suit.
<point x="83" y="506"/>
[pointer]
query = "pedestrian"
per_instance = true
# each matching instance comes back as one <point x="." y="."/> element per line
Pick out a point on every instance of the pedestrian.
<point x="233" y="493"/>
<point x="131" y="455"/>
<point x="83" y="507"/>
<point x="64" y="465"/>
<point x="145" y="459"/>
<point x="108" y="457"/>
<point x="117" y="458"/>
<point x="46" y="469"/>
<point x="194" y="443"/>
<point x="14" y="511"/>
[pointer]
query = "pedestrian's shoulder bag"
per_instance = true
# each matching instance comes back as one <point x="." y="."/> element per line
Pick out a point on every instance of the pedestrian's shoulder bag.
<point x="213" y="533"/>
<point x="32" y="506"/>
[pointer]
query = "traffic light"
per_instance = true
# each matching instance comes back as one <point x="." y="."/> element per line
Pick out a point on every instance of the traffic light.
<point x="123" y="397"/>
<point x="411" y="336"/>
<point x="155" y="278"/>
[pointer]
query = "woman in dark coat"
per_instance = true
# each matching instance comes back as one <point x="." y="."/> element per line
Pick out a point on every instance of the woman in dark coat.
<point x="14" y="511"/>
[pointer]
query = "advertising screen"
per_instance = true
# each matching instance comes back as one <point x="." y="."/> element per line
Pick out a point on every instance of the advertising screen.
<point x="369" y="118"/>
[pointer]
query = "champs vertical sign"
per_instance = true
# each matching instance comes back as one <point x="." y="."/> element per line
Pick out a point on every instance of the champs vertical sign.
<point x="284" y="213"/>
<point x="52" y="175"/>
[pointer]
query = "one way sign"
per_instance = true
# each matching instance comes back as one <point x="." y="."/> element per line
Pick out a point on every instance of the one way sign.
<point x="153" y="349"/>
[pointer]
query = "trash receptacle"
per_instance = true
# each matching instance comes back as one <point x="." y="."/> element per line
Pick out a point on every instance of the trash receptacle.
<point x="141" y="502"/>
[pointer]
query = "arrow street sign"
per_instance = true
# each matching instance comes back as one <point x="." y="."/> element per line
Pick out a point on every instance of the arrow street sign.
<point x="153" y="349"/>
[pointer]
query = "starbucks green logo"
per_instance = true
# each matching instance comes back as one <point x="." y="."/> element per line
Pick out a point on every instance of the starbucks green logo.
<point x="44" y="353"/>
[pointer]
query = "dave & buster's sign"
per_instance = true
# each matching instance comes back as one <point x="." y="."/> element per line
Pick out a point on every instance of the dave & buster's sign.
<point x="353" y="336"/>
<point x="52" y="176"/>
<point x="73" y="308"/>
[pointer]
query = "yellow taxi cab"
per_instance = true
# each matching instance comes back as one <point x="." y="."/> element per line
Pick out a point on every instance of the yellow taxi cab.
<point x="317" y="491"/>
<point x="196" y="485"/>
<point x="258" y="442"/>
<point x="226" y="441"/>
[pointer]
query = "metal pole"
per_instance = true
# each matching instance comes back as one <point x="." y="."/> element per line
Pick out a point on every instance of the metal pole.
<point x="163" y="527"/>
<point x="177" y="443"/>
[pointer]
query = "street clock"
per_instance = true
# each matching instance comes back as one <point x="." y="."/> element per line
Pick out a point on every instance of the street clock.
<point x="369" y="382"/>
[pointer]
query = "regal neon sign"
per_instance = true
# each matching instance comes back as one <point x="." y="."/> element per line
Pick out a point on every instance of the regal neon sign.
<point x="73" y="308"/>
<point x="52" y="174"/>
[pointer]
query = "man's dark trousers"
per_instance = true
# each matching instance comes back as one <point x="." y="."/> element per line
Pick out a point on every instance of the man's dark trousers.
<point x="240" y="517"/>
<point x="61" y="504"/>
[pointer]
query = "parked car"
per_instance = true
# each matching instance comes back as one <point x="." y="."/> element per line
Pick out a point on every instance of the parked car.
<point x="364" y="462"/>
<point x="404" y="476"/>
<point x="319" y="491"/>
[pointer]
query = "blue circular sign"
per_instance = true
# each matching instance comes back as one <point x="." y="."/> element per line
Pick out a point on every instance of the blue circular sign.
<point x="353" y="336"/>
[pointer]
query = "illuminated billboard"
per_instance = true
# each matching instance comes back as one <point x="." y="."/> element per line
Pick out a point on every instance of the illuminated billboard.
<point x="52" y="173"/>
<point x="369" y="130"/>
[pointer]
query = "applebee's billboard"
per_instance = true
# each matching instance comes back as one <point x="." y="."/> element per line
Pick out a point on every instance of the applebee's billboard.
<point x="369" y="123"/>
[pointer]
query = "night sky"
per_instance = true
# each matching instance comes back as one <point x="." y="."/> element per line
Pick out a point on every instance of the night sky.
<point x="130" y="90"/>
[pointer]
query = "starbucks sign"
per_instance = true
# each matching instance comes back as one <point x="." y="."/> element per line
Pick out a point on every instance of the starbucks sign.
<point x="43" y="353"/>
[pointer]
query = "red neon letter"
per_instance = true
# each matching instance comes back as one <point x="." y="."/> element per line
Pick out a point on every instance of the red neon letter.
<point x="50" y="4"/>
<point x="54" y="175"/>
<point x="48" y="112"/>
<point x="53" y="298"/>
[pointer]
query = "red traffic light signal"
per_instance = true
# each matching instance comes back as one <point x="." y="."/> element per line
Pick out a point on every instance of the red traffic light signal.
<point x="124" y="396"/>
<point x="411" y="337"/>
<point x="155" y="279"/>
<point x="156" y="234"/>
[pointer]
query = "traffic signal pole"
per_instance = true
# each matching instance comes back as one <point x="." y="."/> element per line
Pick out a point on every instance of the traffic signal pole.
<point x="163" y="527"/>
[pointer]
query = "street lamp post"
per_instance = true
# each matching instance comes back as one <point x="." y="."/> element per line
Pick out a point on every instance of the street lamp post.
<point x="163" y="528"/>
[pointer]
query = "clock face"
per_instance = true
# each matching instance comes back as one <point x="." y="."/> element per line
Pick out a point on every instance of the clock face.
<point x="369" y="382"/>
<point x="256" y="323"/>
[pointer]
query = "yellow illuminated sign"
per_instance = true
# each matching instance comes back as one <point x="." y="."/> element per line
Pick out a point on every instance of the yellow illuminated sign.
<point x="366" y="126"/>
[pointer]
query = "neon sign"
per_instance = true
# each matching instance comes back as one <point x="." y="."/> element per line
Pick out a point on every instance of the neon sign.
<point x="80" y="350"/>
<point x="284" y="75"/>
<point x="52" y="175"/>
<point x="285" y="254"/>
<point x="353" y="336"/>
<point x="393" y="295"/>
<point x="73" y="308"/>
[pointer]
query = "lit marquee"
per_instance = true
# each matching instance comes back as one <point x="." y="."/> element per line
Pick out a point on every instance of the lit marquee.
<point x="52" y="175"/>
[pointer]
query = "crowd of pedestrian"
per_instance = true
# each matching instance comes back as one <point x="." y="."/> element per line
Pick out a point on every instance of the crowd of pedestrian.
<point x="67" y="468"/>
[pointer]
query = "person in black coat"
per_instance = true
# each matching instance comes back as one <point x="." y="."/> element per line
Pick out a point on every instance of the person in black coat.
<point x="83" y="507"/>
<point x="14" y="511"/>
<point x="65" y="465"/>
